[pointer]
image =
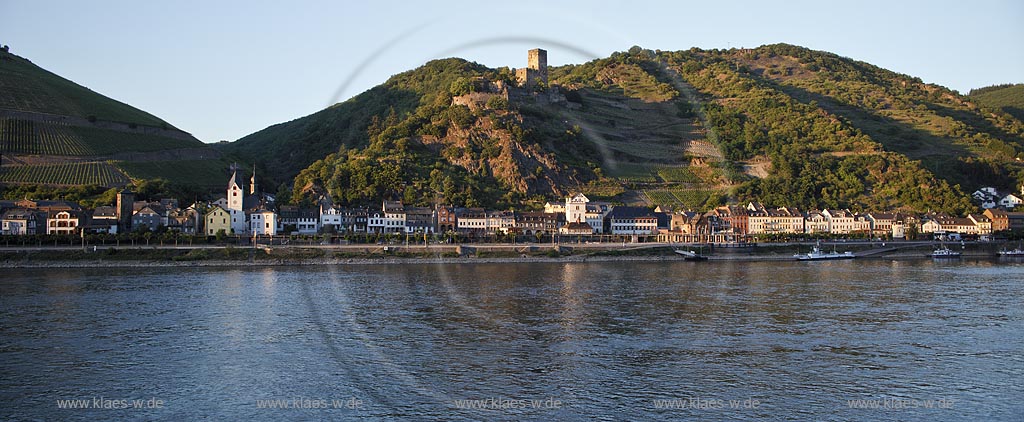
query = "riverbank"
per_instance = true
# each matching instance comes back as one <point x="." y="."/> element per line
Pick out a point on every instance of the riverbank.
<point x="161" y="257"/>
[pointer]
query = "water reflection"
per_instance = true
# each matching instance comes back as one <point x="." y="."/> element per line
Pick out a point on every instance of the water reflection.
<point x="607" y="339"/>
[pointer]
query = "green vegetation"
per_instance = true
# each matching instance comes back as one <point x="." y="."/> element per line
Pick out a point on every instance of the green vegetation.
<point x="27" y="137"/>
<point x="631" y="73"/>
<point x="43" y="138"/>
<point x="198" y="173"/>
<point x="680" y="127"/>
<point x="90" y="173"/>
<point x="826" y="123"/>
<point x="81" y="123"/>
<point x="298" y="143"/>
<point x="1009" y="98"/>
<point x="678" y="175"/>
<point x="90" y="196"/>
<point x="27" y="87"/>
<point x="691" y="199"/>
<point x="107" y="142"/>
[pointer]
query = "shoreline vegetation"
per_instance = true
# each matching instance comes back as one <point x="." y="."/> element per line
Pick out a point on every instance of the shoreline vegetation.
<point x="229" y="256"/>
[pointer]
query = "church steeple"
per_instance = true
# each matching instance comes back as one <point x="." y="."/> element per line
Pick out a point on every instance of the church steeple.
<point x="234" y="193"/>
<point x="252" y="182"/>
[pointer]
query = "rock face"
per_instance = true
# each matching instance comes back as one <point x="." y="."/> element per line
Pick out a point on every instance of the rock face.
<point x="518" y="166"/>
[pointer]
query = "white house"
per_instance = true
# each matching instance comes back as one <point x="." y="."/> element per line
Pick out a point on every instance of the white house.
<point x="576" y="208"/>
<point x="554" y="208"/>
<point x="394" y="217"/>
<point x="263" y="222"/>
<point x="988" y="197"/>
<point x="330" y="219"/>
<point x="840" y="221"/>
<point x="63" y="222"/>
<point x="471" y="220"/>
<point x="23" y="221"/>
<point x="579" y="209"/>
<point x="633" y="220"/>
<point x="815" y="222"/>
<point x="1010" y="201"/>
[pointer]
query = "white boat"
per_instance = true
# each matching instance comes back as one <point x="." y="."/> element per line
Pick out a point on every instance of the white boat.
<point x="945" y="252"/>
<point x="1012" y="253"/>
<point x="816" y="254"/>
<point x="691" y="255"/>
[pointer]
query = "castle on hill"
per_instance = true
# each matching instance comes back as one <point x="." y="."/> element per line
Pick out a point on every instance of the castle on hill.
<point x="531" y="83"/>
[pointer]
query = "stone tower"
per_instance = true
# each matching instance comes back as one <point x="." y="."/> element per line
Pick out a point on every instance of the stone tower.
<point x="537" y="59"/>
<point x="125" y="202"/>
<point x="536" y="69"/>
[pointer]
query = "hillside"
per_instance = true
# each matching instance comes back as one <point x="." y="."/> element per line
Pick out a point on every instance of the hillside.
<point x="56" y="132"/>
<point x="1008" y="98"/>
<point x="694" y="128"/>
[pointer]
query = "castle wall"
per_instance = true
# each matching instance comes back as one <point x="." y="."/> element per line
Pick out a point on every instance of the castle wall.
<point x="477" y="100"/>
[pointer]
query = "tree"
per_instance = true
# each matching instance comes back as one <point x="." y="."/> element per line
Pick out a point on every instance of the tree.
<point x="461" y="86"/>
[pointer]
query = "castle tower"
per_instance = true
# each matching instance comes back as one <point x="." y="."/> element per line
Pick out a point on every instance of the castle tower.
<point x="536" y="69"/>
<point x="125" y="201"/>
<point x="235" y="193"/>
<point x="537" y="59"/>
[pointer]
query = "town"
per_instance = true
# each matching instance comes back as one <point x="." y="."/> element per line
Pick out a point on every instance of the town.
<point x="244" y="212"/>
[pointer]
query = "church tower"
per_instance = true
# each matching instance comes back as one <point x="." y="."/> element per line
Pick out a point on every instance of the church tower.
<point x="235" y="192"/>
<point x="252" y="182"/>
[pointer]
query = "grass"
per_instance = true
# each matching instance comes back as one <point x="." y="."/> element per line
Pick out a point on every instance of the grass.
<point x="633" y="172"/>
<point x="637" y="83"/>
<point x="678" y="175"/>
<point x="205" y="173"/>
<point x="106" y="142"/>
<point x="694" y="199"/>
<point x="93" y="173"/>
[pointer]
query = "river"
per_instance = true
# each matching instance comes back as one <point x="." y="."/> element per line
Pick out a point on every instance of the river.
<point x="850" y="340"/>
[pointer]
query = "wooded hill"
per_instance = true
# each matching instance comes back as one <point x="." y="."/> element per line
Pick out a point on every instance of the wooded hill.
<point x="689" y="129"/>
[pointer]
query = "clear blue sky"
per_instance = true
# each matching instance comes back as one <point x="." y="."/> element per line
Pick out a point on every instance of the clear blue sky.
<point x="222" y="70"/>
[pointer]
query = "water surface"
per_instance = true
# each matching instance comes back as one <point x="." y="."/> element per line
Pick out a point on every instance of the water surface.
<point x="586" y="341"/>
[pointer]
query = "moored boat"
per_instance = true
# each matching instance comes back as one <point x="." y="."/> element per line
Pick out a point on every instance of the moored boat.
<point x="816" y="254"/>
<point x="1014" y="253"/>
<point x="691" y="255"/>
<point x="945" y="252"/>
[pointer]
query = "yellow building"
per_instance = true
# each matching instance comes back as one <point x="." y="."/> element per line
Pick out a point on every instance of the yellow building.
<point x="216" y="220"/>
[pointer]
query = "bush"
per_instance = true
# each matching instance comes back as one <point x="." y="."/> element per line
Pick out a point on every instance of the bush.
<point x="497" y="103"/>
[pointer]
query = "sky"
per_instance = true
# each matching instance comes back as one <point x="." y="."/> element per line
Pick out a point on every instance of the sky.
<point x="224" y="69"/>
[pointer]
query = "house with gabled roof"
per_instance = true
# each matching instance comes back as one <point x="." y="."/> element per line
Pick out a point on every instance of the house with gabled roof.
<point x="150" y="217"/>
<point x="20" y="221"/>
<point x="103" y="219"/>
<point x="217" y="219"/>
<point x="1010" y="201"/>
<point x="263" y="222"/>
<point x="63" y="222"/>
<point x="576" y="227"/>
